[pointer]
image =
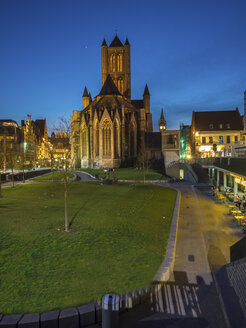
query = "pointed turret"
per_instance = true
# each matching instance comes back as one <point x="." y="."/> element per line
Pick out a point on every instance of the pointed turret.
<point x="162" y="122"/>
<point x="104" y="43"/>
<point x="127" y="43"/>
<point x="146" y="91"/>
<point x="85" y="94"/>
<point x="146" y="99"/>
<point x="85" y="98"/>
<point x="109" y="88"/>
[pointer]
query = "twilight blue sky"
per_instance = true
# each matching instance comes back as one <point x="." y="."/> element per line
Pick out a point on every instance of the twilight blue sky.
<point x="192" y="54"/>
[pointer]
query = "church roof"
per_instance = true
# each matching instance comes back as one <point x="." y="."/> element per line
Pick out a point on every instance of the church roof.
<point x="116" y="42"/>
<point x="146" y="91"/>
<point x="109" y="88"/>
<point x="85" y="94"/>
<point x="137" y="103"/>
<point x="217" y="120"/>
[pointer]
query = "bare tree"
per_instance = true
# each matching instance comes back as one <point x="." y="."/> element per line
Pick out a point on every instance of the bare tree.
<point x="65" y="127"/>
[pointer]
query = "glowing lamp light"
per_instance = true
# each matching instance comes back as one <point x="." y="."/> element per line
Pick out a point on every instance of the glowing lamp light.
<point x="196" y="134"/>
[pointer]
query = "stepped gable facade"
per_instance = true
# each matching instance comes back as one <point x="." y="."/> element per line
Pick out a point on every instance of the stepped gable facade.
<point x="111" y="128"/>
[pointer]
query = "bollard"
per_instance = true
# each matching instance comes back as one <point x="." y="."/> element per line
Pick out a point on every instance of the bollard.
<point x="110" y="311"/>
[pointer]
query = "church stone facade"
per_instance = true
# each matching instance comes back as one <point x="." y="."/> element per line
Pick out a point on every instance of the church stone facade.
<point x="111" y="129"/>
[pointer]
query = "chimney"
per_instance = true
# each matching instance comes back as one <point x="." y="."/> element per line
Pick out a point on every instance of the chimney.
<point x="244" y="116"/>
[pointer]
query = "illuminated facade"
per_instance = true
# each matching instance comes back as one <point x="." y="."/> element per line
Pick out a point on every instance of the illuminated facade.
<point x="214" y="133"/>
<point x="111" y="128"/>
<point x="10" y="145"/>
<point x="60" y="147"/>
<point x="35" y="142"/>
<point x="185" y="149"/>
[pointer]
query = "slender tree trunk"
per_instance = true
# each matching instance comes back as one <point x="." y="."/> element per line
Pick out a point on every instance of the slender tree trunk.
<point x="4" y="152"/>
<point x="12" y="169"/>
<point x="23" y="165"/>
<point x="0" y="185"/>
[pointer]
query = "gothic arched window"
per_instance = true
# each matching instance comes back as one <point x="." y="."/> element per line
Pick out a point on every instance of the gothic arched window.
<point x="116" y="140"/>
<point x="84" y="141"/>
<point x="97" y="140"/>
<point x="112" y="63"/>
<point x="106" y="134"/>
<point x="119" y="63"/>
<point x="120" y="85"/>
<point x="132" y="140"/>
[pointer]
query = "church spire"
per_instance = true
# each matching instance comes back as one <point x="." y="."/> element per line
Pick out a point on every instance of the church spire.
<point x="85" y="98"/>
<point x="127" y="42"/>
<point x="162" y="122"/>
<point x="85" y="94"/>
<point x="146" y="91"/>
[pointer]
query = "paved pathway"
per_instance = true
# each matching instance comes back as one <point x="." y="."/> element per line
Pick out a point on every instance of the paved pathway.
<point x="189" y="298"/>
<point x="82" y="176"/>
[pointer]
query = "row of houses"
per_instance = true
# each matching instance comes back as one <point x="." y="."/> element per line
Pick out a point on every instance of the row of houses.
<point x="211" y="134"/>
<point x="27" y="146"/>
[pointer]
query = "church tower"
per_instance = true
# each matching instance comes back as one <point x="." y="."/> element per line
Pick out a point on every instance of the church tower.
<point x="116" y="62"/>
<point x="162" y="122"/>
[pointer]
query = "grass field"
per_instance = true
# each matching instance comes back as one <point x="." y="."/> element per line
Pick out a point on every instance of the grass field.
<point x="128" y="174"/>
<point x="57" y="175"/>
<point x="116" y="243"/>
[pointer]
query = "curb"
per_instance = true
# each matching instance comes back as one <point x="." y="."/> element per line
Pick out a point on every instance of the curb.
<point x="166" y="268"/>
<point x="146" y="181"/>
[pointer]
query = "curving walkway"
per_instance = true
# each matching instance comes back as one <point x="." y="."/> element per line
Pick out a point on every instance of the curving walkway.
<point x="189" y="298"/>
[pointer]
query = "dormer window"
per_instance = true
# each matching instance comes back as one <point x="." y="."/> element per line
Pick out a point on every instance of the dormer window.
<point x="228" y="125"/>
<point x="211" y="126"/>
<point x="221" y="126"/>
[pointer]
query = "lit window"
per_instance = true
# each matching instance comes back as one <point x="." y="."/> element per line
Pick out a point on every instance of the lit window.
<point x="119" y="63"/>
<point x="211" y="126"/>
<point x="221" y="126"/>
<point x="228" y="125"/>
<point x="112" y="63"/>
<point x="120" y="85"/>
<point x="203" y="140"/>
<point x="210" y="139"/>
<point x="221" y="139"/>
<point x="106" y="131"/>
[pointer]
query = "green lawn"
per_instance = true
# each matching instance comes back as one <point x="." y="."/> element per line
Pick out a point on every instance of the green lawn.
<point x="128" y="174"/>
<point x="57" y="175"/>
<point x="116" y="243"/>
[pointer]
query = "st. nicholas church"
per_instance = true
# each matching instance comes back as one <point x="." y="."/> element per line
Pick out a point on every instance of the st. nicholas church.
<point x="111" y="129"/>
